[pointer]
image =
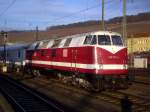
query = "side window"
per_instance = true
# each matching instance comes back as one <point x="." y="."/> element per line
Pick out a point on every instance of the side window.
<point x="50" y="44"/>
<point x="19" y="54"/>
<point x="42" y="53"/>
<point x="68" y="41"/>
<point x="56" y="43"/>
<point x="37" y="45"/>
<point x="88" y="39"/>
<point x="44" y="45"/>
<point x="53" y="53"/>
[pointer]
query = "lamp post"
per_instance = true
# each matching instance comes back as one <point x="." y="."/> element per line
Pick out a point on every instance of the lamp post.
<point x="37" y="33"/>
<point x="124" y="22"/>
<point x="103" y="22"/>
<point x="4" y="34"/>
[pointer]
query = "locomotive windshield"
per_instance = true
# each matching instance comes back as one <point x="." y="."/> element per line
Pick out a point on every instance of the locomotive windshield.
<point x="116" y="40"/>
<point x="104" y="40"/>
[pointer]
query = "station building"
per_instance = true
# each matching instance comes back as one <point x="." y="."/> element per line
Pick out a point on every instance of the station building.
<point x="138" y="43"/>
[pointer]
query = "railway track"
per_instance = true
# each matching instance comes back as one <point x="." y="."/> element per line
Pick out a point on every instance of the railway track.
<point x="24" y="99"/>
<point x="140" y="104"/>
<point x="142" y="82"/>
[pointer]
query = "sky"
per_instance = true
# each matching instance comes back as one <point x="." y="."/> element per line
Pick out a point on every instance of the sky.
<point x="27" y="14"/>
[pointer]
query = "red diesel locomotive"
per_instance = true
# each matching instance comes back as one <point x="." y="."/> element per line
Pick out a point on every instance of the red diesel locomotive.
<point x="96" y="59"/>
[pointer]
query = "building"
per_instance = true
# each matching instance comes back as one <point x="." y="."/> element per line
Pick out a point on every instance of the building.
<point x="138" y="43"/>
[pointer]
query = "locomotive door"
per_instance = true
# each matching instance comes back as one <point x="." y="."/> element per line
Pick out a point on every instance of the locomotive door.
<point x="74" y="60"/>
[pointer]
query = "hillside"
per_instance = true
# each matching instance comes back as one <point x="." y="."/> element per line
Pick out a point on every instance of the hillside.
<point x="130" y="19"/>
<point x="137" y="24"/>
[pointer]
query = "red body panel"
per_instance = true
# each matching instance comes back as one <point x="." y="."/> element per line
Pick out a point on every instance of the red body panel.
<point x="76" y="56"/>
<point x="106" y="57"/>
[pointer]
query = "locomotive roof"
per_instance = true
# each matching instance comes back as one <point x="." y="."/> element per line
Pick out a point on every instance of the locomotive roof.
<point x="91" y="33"/>
<point x="77" y="40"/>
<point x="82" y="34"/>
<point x="104" y="33"/>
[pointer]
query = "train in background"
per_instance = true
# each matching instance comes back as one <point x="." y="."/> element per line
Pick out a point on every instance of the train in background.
<point x="13" y="56"/>
<point x="93" y="60"/>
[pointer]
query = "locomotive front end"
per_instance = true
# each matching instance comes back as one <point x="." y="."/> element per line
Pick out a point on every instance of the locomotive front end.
<point x="111" y="56"/>
<point x="111" y="61"/>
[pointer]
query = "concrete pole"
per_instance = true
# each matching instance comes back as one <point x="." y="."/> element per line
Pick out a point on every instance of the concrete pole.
<point x="37" y="34"/>
<point x="103" y="24"/>
<point x="124" y="23"/>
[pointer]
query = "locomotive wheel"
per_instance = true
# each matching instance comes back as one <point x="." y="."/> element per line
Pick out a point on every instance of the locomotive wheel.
<point x="36" y="73"/>
<point x="28" y="70"/>
<point x="125" y="84"/>
<point x="117" y="84"/>
<point x="101" y="84"/>
<point x="98" y="84"/>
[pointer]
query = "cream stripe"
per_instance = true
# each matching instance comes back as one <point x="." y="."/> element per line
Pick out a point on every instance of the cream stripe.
<point x="78" y="65"/>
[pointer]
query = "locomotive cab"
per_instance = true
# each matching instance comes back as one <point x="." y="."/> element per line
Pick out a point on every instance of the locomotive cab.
<point x="110" y="53"/>
<point x="110" y="58"/>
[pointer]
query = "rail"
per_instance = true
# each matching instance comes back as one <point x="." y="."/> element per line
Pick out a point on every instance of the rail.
<point x="24" y="99"/>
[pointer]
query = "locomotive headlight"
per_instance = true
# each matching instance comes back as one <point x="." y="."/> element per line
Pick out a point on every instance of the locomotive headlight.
<point x="125" y="66"/>
<point x="101" y="66"/>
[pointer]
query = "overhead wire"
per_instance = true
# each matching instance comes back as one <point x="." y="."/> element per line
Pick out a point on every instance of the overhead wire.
<point x="75" y="13"/>
<point x="80" y="11"/>
<point x="60" y="18"/>
<point x="72" y="14"/>
<point x="6" y="9"/>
